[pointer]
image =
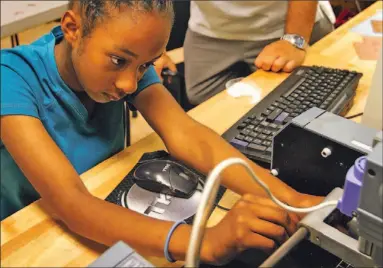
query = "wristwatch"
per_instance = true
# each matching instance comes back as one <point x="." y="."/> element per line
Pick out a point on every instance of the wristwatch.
<point x="296" y="40"/>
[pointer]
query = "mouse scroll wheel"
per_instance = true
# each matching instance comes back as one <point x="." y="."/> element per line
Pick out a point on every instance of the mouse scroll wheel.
<point x="183" y="175"/>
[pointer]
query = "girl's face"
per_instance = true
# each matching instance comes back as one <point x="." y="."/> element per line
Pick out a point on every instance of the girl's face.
<point x="111" y="60"/>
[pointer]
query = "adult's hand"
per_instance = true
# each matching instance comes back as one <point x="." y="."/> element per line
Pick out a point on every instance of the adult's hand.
<point x="280" y="56"/>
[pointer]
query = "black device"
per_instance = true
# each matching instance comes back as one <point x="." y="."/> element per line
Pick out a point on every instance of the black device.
<point x="314" y="152"/>
<point x="167" y="177"/>
<point x="306" y="87"/>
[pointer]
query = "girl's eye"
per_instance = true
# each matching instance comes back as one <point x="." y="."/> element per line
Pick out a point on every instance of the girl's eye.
<point x="147" y="65"/>
<point x="117" y="61"/>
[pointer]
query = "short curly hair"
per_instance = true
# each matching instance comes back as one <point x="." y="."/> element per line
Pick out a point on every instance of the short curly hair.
<point x="92" y="11"/>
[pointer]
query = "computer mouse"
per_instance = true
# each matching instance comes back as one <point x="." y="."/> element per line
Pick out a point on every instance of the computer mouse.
<point x="167" y="177"/>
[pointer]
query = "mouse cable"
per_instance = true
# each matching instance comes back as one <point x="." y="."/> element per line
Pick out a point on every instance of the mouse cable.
<point x="215" y="204"/>
<point x="221" y="207"/>
<point x="353" y="116"/>
<point x="213" y="176"/>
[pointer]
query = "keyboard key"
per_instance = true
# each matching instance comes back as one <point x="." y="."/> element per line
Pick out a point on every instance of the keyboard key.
<point x="274" y="114"/>
<point x="275" y="104"/>
<point x="250" y="127"/>
<point x="264" y="124"/>
<point x="253" y="134"/>
<point x="281" y="117"/>
<point x="245" y="132"/>
<point x="285" y="102"/>
<point x="257" y="141"/>
<point x="241" y="145"/>
<point x="273" y="126"/>
<point x="256" y="147"/>
<point x="288" y="119"/>
<point x="249" y="139"/>
<point x="269" y="150"/>
<point x="269" y="138"/>
<point x="266" y="132"/>
<point x="283" y="106"/>
<point x="240" y="137"/>
<point x="266" y="143"/>
<point x="259" y="128"/>
<point x="262" y="136"/>
<point x="266" y="112"/>
<point x="260" y="118"/>
<point x="293" y="83"/>
<point x="241" y="126"/>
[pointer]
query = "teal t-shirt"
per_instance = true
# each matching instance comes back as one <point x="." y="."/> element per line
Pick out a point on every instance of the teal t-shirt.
<point x="31" y="85"/>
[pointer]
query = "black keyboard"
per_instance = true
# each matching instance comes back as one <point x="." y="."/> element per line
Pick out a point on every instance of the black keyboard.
<point x="330" y="89"/>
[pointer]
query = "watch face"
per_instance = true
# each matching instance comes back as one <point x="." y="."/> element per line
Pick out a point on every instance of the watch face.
<point x="296" y="40"/>
<point x="299" y="41"/>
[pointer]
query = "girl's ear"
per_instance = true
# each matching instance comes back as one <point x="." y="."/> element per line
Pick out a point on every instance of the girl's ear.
<point x="71" y="27"/>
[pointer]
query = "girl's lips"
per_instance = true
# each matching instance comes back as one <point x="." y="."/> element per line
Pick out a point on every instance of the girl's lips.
<point x="112" y="98"/>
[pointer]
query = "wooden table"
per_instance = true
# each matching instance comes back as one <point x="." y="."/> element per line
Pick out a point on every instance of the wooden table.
<point x="17" y="16"/>
<point x="31" y="237"/>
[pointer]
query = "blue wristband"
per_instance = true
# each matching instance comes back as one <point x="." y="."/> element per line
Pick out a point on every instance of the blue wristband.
<point x="166" y="248"/>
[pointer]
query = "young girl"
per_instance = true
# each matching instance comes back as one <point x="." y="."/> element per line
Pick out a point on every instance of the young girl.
<point x="62" y="113"/>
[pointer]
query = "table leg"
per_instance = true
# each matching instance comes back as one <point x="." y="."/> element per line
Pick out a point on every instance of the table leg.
<point x="15" y="40"/>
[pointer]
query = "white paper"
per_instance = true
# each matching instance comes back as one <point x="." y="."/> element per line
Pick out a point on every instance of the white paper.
<point x="242" y="89"/>
<point x="365" y="27"/>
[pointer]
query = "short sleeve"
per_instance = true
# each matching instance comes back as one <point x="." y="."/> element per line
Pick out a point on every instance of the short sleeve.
<point x="17" y="97"/>
<point x="150" y="77"/>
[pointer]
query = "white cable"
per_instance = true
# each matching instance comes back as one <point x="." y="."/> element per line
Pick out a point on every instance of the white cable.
<point x="207" y="201"/>
<point x="231" y="161"/>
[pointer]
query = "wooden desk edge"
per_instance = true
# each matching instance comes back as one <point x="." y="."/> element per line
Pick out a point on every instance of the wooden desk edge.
<point x="144" y="143"/>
